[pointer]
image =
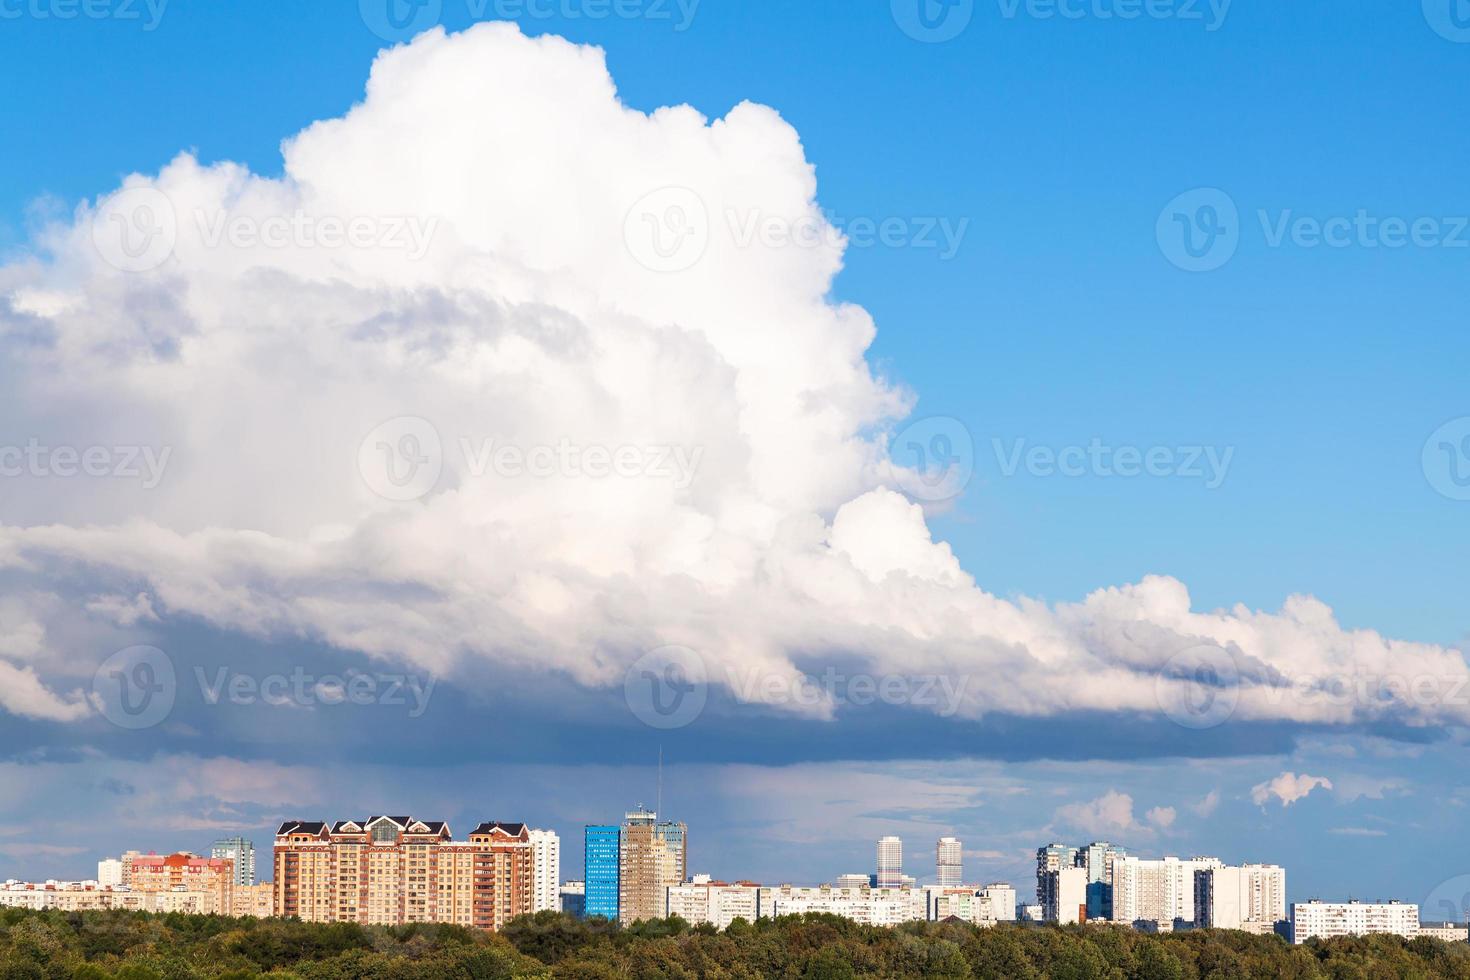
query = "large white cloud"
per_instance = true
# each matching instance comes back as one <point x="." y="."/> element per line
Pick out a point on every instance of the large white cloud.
<point x="499" y="288"/>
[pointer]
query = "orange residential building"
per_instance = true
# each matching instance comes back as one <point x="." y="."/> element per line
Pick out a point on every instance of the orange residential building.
<point x="214" y="878"/>
<point x="392" y="870"/>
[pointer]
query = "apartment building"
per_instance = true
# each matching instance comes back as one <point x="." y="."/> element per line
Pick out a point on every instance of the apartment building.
<point x="600" y="868"/>
<point x="1450" y="932"/>
<point x="110" y="872"/>
<point x="546" y="871"/>
<point x="870" y="906"/>
<point x="979" y="906"/>
<point x="719" y="903"/>
<point x="1098" y="859"/>
<point x="890" y="863"/>
<point x="1325" y="920"/>
<point x="1251" y="898"/>
<point x="1001" y="897"/>
<point x="1052" y="857"/>
<point x="652" y="857"/>
<point x="573" y="896"/>
<point x="1065" y="896"/>
<point x="256" y="900"/>
<point x="391" y="870"/>
<point x="212" y="877"/>
<point x="242" y="852"/>
<point x="503" y="854"/>
<point x="88" y="896"/>
<point x="949" y="862"/>
<point x="1157" y="893"/>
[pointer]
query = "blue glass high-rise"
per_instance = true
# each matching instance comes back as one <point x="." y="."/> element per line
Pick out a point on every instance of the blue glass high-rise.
<point x="600" y="856"/>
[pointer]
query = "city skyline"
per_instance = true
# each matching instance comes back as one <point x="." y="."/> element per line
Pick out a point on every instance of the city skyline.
<point x="397" y="870"/>
<point x="457" y="418"/>
<point x="1092" y="892"/>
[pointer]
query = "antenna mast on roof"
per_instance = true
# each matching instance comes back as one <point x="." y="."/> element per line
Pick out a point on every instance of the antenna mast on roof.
<point x="658" y="805"/>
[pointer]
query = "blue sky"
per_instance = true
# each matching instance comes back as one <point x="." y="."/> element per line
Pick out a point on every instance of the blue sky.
<point x="1055" y="143"/>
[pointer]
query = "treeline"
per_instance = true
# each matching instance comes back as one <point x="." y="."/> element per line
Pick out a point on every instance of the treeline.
<point x="138" y="946"/>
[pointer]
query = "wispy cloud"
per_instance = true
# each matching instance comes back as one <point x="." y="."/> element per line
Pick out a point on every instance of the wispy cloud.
<point x="1207" y="805"/>
<point x="1162" y="817"/>
<point x="1350" y="788"/>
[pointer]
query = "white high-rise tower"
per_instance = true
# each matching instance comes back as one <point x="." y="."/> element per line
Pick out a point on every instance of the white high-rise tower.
<point x="890" y="862"/>
<point x="949" y="863"/>
<point x="546" y="877"/>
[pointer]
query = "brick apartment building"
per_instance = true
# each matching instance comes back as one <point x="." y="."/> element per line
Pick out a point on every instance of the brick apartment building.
<point x="392" y="870"/>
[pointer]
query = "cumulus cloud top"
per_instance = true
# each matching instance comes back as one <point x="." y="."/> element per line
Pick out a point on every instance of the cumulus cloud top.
<point x="451" y="279"/>
<point x="1109" y="815"/>
<point x="1288" y="788"/>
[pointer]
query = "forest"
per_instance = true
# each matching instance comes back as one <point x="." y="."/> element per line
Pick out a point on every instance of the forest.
<point x="138" y="946"/>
